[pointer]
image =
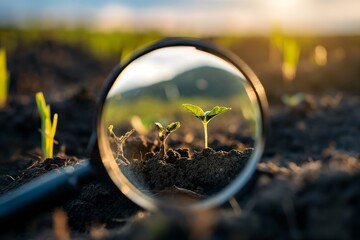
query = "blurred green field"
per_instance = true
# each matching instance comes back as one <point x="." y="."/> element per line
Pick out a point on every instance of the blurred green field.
<point x="339" y="70"/>
<point x="101" y="44"/>
<point x="105" y="44"/>
<point x="170" y="111"/>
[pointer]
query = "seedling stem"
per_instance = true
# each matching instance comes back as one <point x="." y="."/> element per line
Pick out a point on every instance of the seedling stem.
<point x="205" y="117"/>
<point x="205" y="135"/>
<point x="119" y="143"/>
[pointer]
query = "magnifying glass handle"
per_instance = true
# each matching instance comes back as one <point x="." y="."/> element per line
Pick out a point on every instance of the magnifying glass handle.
<point x="42" y="193"/>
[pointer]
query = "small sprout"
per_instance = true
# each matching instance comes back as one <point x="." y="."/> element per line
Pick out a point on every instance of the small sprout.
<point x="205" y="117"/>
<point x="291" y="54"/>
<point x="4" y="79"/>
<point x="293" y="100"/>
<point x="164" y="134"/>
<point x="120" y="142"/>
<point x="48" y="129"/>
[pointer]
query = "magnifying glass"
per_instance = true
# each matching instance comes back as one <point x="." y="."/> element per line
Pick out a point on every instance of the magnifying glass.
<point x="180" y="125"/>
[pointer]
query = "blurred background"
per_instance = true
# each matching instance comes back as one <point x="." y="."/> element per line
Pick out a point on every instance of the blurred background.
<point x="298" y="48"/>
<point x="293" y="46"/>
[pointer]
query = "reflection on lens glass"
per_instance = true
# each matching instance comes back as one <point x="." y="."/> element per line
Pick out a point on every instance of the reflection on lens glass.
<point x="181" y="123"/>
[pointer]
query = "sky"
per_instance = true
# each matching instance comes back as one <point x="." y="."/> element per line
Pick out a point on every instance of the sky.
<point x="198" y="16"/>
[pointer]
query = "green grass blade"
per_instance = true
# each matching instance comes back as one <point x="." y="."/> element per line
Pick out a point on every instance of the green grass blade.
<point x="54" y="125"/>
<point x="276" y="36"/>
<point x="43" y="109"/>
<point x="48" y="129"/>
<point x="47" y="138"/>
<point x="40" y="102"/>
<point x="4" y="78"/>
<point x="51" y="136"/>
<point x="291" y="54"/>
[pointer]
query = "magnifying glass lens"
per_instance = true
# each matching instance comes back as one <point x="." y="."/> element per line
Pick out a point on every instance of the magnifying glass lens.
<point x="180" y="126"/>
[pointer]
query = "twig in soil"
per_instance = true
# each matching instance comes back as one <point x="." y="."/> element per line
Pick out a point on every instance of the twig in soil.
<point x="10" y="177"/>
<point x="138" y="215"/>
<point x="35" y="162"/>
<point x="235" y="206"/>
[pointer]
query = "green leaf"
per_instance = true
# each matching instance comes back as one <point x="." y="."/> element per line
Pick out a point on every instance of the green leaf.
<point x="44" y="109"/>
<point x="53" y="126"/>
<point x="214" y="112"/>
<point x="160" y="128"/>
<point x="197" y="111"/>
<point x="172" y="127"/>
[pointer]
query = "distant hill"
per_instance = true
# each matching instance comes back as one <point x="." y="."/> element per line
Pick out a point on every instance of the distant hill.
<point x="202" y="81"/>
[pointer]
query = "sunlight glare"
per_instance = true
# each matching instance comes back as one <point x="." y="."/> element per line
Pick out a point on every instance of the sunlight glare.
<point x="282" y="8"/>
<point x="320" y="55"/>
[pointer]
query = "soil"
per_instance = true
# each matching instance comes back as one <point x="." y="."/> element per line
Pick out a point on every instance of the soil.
<point x="205" y="173"/>
<point x="306" y="187"/>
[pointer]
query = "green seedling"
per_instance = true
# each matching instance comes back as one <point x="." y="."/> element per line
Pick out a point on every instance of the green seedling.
<point x="276" y="38"/>
<point x="205" y="117"/>
<point x="293" y="100"/>
<point x="4" y="78"/>
<point x="164" y="134"/>
<point x="291" y="54"/>
<point x="120" y="143"/>
<point x="48" y="128"/>
<point x="290" y="50"/>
